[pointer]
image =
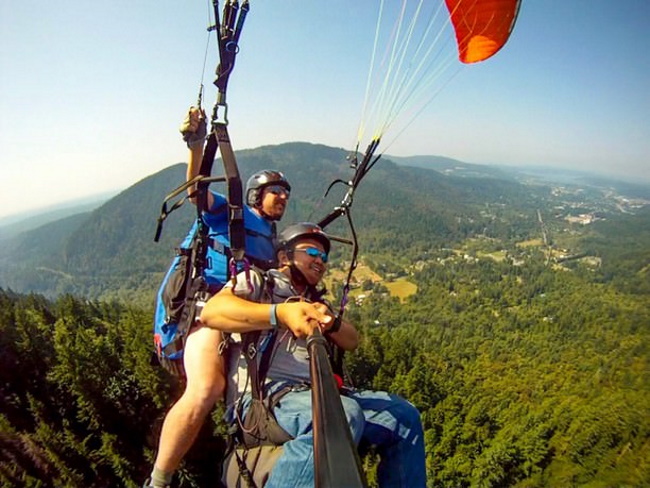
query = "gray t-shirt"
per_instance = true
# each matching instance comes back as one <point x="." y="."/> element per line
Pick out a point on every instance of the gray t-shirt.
<point x="289" y="360"/>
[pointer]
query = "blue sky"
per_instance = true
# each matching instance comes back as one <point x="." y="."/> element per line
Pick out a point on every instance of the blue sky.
<point x="93" y="92"/>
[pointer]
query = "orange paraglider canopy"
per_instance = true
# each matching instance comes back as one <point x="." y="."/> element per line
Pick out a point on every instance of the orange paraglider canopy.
<point x="482" y="26"/>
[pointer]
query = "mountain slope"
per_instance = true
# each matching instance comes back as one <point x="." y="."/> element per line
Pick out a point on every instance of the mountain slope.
<point x="17" y="226"/>
<point x="398" y="210"/>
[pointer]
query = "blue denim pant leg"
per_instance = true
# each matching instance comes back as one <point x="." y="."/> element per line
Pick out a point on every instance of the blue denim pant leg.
<point x="393" y="425"/>
<point x="295" y="467"/>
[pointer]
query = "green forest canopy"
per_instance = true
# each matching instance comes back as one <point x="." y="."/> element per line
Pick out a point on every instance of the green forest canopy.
<point x="525" y="376"/>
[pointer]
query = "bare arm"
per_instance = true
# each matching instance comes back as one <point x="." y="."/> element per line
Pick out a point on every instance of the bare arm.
<point x="193" y="130"/>
<point x="228" y="312"/>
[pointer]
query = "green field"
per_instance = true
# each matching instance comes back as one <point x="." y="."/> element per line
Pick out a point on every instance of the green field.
<point x="401" y="288"/>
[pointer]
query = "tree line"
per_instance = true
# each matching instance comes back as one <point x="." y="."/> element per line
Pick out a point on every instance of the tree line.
<point x="525" y="376"/>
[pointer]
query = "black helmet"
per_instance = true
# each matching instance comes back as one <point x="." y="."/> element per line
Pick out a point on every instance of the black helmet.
<point x="260" y="180"/>
<point x="303" y="229"/>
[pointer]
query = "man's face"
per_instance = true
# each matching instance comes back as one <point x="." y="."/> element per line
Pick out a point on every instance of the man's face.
<point x="310" y="258"/>
<point x="274" y="201"/>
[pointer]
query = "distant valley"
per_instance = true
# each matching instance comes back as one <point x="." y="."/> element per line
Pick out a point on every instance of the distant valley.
<point x="407" y="214"/>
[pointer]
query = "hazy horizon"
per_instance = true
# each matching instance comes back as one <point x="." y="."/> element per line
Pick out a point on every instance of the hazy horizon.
<point x="61" y="205"/>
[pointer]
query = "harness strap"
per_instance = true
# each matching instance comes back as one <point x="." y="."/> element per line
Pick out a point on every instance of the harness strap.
<point x="164" y="212"/>
<point x="218" y="139"/>
<point x="235" y="194"/>
<point x="250" y="354"/>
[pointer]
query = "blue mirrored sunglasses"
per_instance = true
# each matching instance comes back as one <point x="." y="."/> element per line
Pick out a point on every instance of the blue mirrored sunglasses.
<point x="278" y="190"/>
<point x="314" y="253"/>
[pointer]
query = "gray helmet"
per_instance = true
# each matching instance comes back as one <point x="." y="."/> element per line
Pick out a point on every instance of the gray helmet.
<point x="261" y="179"/>
<point x="305" y="230"/>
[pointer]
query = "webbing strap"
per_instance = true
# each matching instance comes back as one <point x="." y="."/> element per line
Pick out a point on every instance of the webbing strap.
<point x="229" y="31"/>
<point x="257" y="371"/>
<point x="219" y="139"/>
<point x="164" y="211"/>
<point x="235" y="194"/>
<point x="251" y="345"/>
<point x="250" y="354"/>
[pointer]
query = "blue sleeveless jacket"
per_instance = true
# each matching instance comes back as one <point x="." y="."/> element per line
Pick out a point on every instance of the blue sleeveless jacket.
<point x="260" y="237"/>
<point x="169" y="326"/>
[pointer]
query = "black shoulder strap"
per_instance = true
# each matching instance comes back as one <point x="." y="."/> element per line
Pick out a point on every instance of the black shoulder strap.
<point x="252" y="346"/>
<point x="219" y="139"/>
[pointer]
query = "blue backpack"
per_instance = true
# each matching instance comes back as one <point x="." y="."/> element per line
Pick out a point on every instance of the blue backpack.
<point x="200" y="268"/>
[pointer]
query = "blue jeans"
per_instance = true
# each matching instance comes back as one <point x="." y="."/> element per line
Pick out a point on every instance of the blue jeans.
<point x="387" y="422"/>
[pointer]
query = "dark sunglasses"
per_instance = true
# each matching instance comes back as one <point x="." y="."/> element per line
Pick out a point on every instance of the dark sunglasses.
<point x="278" y="190"/>
<point x="314" y="253"/>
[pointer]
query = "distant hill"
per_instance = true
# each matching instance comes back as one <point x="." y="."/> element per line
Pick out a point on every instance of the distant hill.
<point x="525" y="174"/>
<point x="451" y="166"/>
<point x="15" y="224"/>
<point x="550" y="175"/>
<point x="401" y="211"/>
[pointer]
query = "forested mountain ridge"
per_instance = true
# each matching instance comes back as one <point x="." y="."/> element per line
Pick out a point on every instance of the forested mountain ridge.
<point x="525" y="346"/>
<point x="404" y="214"/>
<point x="398" y="209"/>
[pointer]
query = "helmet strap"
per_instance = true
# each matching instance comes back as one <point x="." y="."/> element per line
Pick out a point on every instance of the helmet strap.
<point x="264" y="215"/>
<point x="298" y="278"/>
<point x="296" y="275"/>
<point x="258" y="206"/>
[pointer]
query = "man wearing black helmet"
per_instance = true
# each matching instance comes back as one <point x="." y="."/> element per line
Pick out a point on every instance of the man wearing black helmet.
<point x="267" y="193"/>
<point x="259" y="187"/>
<point x="286" y="313"/>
